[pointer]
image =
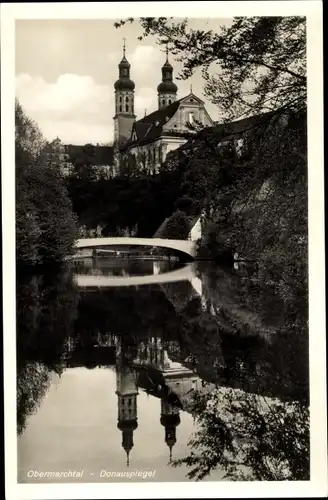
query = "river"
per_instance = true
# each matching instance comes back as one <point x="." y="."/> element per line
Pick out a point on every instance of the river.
<point x="158" y="371"/>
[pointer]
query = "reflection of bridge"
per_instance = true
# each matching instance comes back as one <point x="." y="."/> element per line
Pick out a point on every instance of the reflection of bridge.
<point x="184" y="246"/>
<point x="91" y="281"/>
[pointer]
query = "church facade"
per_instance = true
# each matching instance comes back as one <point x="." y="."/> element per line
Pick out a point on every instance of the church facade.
<point x="143" y="144"/>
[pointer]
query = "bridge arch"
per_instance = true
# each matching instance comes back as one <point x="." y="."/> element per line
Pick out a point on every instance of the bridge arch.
<point x="184" y="246"/>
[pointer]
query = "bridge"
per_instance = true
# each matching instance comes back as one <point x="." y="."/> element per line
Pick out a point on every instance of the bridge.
<point x="184" y="246"/>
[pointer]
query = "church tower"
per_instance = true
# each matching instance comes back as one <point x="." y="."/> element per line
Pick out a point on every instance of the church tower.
<point x="124" y="102"/>
<point x="167" y="89"/>
<point x="170" y="419"/>
<point x="127" y="391"/>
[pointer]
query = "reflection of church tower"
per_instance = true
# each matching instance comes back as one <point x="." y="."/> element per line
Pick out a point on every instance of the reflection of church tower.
<point x="127" y="391"/>
<point x="170" y="419"/>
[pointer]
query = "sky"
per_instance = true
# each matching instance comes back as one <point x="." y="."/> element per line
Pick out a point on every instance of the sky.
<point x="66" y="69"/>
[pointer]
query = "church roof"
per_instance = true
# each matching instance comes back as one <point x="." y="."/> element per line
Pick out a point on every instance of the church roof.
<point x="150" y="127"/>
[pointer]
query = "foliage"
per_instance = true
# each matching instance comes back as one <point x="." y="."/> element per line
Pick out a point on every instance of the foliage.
<point x="29" y="141"/>
<point x="249" y="437"/>
<point x="83" y="162"/>
<point x="254" y="65"/>
<point x="177" y="226"/>
<point x="125" y="202"/>
<point x="252" y="190"/>
<point x="45" y="223"/>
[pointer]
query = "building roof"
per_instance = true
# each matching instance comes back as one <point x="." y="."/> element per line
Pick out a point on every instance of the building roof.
<point x="150" y="127"/>
<point x="103" y="155"/>
<point x="226" y="131"/>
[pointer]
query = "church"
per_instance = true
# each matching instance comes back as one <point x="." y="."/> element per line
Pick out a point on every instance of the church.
<point x="143" y="144"/>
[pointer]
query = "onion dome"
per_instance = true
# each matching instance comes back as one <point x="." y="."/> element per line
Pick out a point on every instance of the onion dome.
<point x="170" y="422"/>
<point x="125" y="425"/>
<point x="124" y="82"/>
<point x="167" y="87"/>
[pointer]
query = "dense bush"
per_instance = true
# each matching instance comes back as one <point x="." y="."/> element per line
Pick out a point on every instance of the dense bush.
<point x="177" y="226"/>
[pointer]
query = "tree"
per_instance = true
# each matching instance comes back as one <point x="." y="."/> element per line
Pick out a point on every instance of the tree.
<point x="248" y="437"/>
<point x="83" y="161"/>
<point x="177" y="227"/>
<point x="45" y="223"/>
<point x="256" y="64"/>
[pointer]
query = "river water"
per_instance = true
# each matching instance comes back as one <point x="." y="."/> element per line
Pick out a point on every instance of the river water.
<point x="120" y="363"/>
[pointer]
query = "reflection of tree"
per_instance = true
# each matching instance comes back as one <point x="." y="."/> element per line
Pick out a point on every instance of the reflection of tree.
<point x="46" y="309"/>
<point x="32" y="384"/>
<point x="258" y="328"/>
<point x="248" y="437"/>
<point x="133" y="313"/>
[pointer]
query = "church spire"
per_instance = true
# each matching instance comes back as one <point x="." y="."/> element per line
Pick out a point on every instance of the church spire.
<point x="124" y="48"/>
<point x="170" y="419"/>
<point x="167" y="89"/>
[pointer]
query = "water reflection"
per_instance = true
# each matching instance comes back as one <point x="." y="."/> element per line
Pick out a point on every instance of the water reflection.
<point x="211" y="370"/>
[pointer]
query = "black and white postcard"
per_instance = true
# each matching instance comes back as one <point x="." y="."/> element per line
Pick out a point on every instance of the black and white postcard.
<point x="163" y="236"/>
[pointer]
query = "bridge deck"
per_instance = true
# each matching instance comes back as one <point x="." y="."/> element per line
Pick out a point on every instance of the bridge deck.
<point x="184" y="246"/>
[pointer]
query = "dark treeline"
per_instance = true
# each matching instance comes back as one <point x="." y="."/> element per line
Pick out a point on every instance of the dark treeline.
<point x="45" y="223"/>
<point x="138" y="203"/>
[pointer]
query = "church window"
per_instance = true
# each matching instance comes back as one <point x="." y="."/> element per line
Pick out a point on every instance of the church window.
<point x="191" y="118"/>
<point x="125" y="72"/>
<point x="129" y="401"/>
<point x="126" y="99"/>
<point x="120" y="98"/>
<point x="120" y="109"/>
<point x="170" y="101"/>
<point x="167" y="74"/>
<point x="163" y="102"/>
<point x="126" y="107"/>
